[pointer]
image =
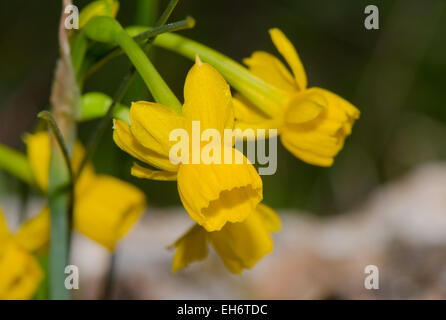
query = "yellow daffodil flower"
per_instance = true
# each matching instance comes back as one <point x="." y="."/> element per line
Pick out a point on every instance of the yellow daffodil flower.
<point x="313" y="122"/>
<point x="105" y="208"/>
<point x="212" y="194"/>
<point x="239" y="245"/>
<point x="20" y="271"/>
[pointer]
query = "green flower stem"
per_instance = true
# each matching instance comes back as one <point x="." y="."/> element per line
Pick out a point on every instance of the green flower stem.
<point x="105" y="29"/>
<point x="16" y="164"/>
<point x="60" y="204"/>
<point x="78" y="46"/>
<point x="61" y="197"/>
<point x="146" y="15"/>
<point x="122" y="111"/>
<point x="45" y="115"/>
<point x="144" y="35"/>
<point x="65" y="106"/>
<point x="146" y="12"/>
<point x="110" y="107"/>
<point x="166" y="13"/>
<point x="159" y="89"/>
<point x="263" y="95"/>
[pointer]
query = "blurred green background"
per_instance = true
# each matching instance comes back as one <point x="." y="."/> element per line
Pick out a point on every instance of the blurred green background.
<point x="394" y="75"/>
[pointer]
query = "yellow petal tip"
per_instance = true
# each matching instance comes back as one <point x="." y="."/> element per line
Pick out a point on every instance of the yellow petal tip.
<point x="274" y="30"/>
<point x="198" y="60"/>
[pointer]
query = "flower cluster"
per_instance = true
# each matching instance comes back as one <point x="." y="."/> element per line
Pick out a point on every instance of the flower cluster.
<point x="20" y="269"/>
<point x="222" y="198"/>
<point x="105" y="209"/>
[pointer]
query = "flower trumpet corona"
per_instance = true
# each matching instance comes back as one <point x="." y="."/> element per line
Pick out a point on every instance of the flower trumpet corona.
<point x="20" y="271"/>
<point x="239" y="245"/>
<point x="105" y="208"/>
<point x="312" y="122"/>
<point x="212" y="193"/>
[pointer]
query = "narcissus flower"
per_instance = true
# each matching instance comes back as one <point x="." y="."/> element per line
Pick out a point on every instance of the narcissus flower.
<point x="20" y="271"/>
<point x="313" y="123"/>
<point x="105" y="208"/>
<point x="213" y="194"/>
<point x="239" y="245"/>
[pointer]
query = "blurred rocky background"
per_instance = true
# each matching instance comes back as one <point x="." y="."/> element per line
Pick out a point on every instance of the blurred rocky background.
<point x="400" y="229"/>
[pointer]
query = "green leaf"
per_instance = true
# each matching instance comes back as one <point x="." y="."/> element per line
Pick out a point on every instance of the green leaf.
<point x="16" y="164"/>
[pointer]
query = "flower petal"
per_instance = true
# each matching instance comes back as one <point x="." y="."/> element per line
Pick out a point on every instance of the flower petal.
<point x="207" y="98"/>
<point x="3" y="226"/>
<point x="34" y="234"/>
<point x="340" y="109"/>
<point x="304" y="107"/>
<point x="214" y="194"/>
<point x="20" y="273"/>
<point x="245" y="111"/>
<point x="125" y="140"/>
<point x="267" y="67"/>
<point x="39" y="154"/>
<point x="146" y="173"/>
<point x="249" y="118"/>
<point x="4" y="232"/>
<point x="151" y="124"/>
<point x="269" y="217"/>
<point x="88" y="173"/>
<point x="192" y="246"/>
<point x="311" y="147"/>
<point x="242" y="245"/>
<point x="318" y="141"/>
<point x="108" y="210"/>
<point x="287" y="50"/>
<point x="38" y="151"/>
